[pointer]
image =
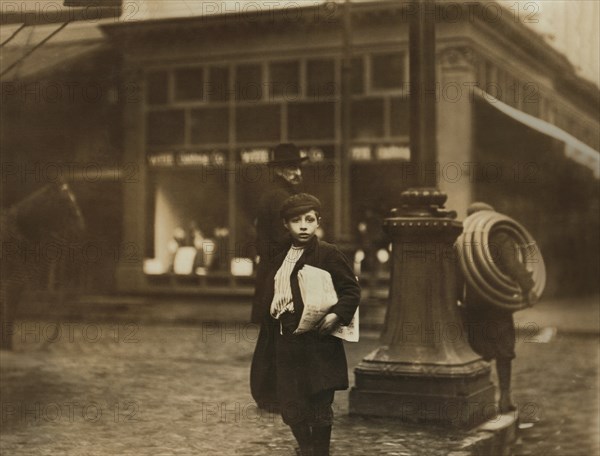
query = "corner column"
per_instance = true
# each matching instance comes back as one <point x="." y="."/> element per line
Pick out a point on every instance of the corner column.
<point x="455" y="133"/>
<point x="130" y="276"/>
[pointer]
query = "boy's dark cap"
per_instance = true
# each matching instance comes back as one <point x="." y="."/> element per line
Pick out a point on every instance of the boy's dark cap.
<point x="286" y="154"/>
<point x="299" y="204"/>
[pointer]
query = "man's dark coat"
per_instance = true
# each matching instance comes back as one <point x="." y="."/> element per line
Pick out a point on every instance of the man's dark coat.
<point x="271" y="235"/>
<point x="319" y="360"/>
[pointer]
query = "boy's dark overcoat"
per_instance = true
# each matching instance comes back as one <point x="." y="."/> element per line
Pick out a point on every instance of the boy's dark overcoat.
<point x="491" y="330"/>
<point x="321" y="359"/>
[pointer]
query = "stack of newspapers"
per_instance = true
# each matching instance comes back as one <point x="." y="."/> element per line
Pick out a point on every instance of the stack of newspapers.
<point x="319" y="296"/>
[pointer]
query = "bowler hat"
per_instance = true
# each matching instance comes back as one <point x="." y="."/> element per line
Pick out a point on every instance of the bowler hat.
<point x="299" y="204"/>
<point x="286" y="154"/>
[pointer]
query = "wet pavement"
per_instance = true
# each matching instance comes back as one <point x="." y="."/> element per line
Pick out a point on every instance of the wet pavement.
<point x="131" y="389"/>
<point x="556" y="385"/>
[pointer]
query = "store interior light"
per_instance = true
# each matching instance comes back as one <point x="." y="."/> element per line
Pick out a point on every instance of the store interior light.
<point x="383" y="256"/>
<point x="183" y="263"/>
<point x="241" y="267"/>
<point x="153" y="266"/>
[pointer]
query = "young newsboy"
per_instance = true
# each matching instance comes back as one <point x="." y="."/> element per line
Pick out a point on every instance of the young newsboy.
<point x="311" y="366"/>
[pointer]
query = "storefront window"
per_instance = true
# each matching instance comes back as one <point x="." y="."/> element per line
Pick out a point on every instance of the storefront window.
<point x="320" y="78"/>
<point x="367" y="118"/>
<point x="258" y="123"/>
<point x="320" y="175"/>
<point x="157" y="87"/>
<point x="218" y="84"/>
<point x="357" y="83"/>
<point x="165" y="127"/>
<point x="210" y="125"/>
<point x="189" y="84"/>
<point x="190" y="213"/>
<point x="400" y="117"/>
<point x="376" y="186"/>
<point x="284" y="79"/>
<point x="387" y="70"/>
<point x="190" y="200"/>
<point x="252" y="181"/>
<point x="311" y="120"/>
<point x="248" y="82"/>
<point x="375" y="190"/>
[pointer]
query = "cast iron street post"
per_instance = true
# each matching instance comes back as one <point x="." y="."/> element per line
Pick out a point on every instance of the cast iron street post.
<point x="425" y="370"/>
<point x="344" y="232"/>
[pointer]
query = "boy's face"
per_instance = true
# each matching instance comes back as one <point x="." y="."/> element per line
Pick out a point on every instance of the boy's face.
<point x="303" y="227"/>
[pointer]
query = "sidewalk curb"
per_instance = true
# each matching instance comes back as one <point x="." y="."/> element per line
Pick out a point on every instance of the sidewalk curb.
<point x="493" y="438"/>
<point x="581" y="319"/>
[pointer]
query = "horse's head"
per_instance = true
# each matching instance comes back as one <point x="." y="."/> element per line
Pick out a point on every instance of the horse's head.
<point x="50" y="212"/>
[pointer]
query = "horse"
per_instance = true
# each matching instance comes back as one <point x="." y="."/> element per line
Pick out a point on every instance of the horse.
<point x="51" y="215"/>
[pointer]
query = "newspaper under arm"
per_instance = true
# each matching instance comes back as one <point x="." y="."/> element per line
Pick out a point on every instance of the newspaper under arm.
<point x="319" y="296"/>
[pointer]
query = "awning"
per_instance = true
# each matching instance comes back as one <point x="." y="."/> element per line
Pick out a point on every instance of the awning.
<point x="46" y="60"/>
<point x="67" y="47"/>
<point x="575" y="149"/>
<point x="32" y="12"/>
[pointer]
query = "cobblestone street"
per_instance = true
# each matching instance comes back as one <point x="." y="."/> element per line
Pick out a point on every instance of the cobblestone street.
<point x="101" y="389"/>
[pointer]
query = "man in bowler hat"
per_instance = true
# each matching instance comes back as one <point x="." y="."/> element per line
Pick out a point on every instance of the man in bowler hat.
<point x="285" y="179"/>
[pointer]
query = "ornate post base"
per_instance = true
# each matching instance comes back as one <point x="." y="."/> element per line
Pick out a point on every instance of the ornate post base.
<point x="457" y="397"/>
<point x="425" y="371"/>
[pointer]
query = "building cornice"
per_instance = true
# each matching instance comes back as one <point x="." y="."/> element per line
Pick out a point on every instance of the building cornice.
<point x="330" y="15"/>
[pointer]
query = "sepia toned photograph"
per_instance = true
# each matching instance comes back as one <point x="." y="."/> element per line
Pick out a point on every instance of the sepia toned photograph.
<point x="300" y="228"/>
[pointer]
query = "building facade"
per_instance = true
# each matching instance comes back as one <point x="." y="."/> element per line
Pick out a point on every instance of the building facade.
<point x="216" y="93"/>
<point x="202" y="98"/>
